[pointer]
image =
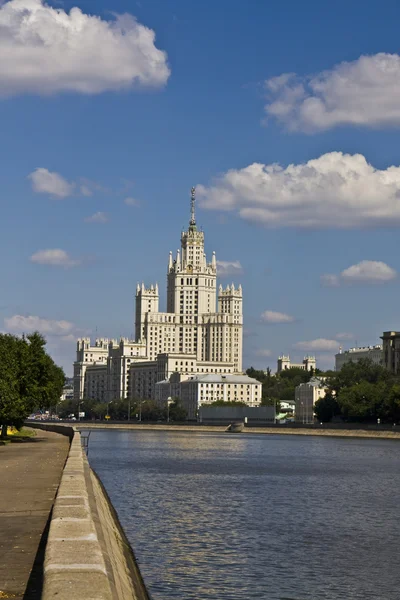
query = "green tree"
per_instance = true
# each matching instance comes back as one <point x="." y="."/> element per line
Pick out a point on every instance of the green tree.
<point x="29" y="378"/>
<point x="362" y="401"/>
<point x="326" y="408"/>
<point x="177" y="412"/>
<point x="227" y="403"/>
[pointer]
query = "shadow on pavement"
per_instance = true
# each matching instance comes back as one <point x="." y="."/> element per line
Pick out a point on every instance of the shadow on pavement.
<point x="34" y="586"/>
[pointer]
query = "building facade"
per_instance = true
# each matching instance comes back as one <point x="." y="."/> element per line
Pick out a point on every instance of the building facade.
<point x="391" y="351"/>
<point x="204" y="389"/>
<point x="309" y="364"/>
<point x="372" y="353"/>
<point x="201" y="331"/>
<point x="306" y="395"/>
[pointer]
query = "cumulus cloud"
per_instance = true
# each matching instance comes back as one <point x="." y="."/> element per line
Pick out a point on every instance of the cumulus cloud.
<point x="21" y="324"/>
<point x="335" y="190"/>
<point x="54" y="257"/>
<point x="320" y="344"/>
<point x="50" y="182"/>
<point x="366" y="271"/>
<point x="226" y="268"/>
<point x="364" y="92"/>
<point x="48" y="50"/>
<point x="271" y="316"/>
<point x="132" y="202"/>
<point x="98" y="217"/>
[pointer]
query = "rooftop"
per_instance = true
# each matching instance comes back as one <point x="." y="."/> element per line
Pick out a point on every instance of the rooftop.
<point x="219" y="378"/>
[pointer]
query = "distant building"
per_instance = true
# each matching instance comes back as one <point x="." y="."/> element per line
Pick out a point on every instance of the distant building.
<point x="306" y="395"/>
<point x="372" y="353"/>
<point x="309" y="364"/>
<point x="67" y="393"/>
<point x="391" y="351"/>
<point x="198" y="390"/>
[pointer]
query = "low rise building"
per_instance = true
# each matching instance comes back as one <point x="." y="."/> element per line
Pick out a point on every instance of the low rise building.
<point x="197" y="390"/>
<point x="306" y="395"/>
<point x="372" y="353"/>
<point x="309" y="364"/>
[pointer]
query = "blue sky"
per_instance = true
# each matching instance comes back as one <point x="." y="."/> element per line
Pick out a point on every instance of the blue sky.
<point x="93" y="113"/>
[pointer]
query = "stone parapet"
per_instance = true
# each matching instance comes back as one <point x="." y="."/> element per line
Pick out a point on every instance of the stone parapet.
<point x="87" y="554"/>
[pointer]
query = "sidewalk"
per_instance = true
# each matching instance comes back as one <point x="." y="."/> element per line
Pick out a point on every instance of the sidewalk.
<point x="30" y="473"/>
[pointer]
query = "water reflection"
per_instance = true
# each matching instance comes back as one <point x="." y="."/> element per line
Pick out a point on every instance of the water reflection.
<point x="220" y="516"/>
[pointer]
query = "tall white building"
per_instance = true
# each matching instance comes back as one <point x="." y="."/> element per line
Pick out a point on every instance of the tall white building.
<point x="200" y="332"/>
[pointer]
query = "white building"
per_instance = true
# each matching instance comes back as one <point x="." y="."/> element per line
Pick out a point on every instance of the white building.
<point x="309" y="363"/>
<point x="372" y="353"/>
<point x="88" y="356"/>
<point x="306" y="395"/>
<point x="200" y="332"/>
<point x="204" y="389"/>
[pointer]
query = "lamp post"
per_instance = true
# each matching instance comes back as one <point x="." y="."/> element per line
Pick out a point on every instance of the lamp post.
<point x="129" y="409"/>
<point x="108" y="406"/>
<point x="79" y="409"/>
<point x="169" y="401"/>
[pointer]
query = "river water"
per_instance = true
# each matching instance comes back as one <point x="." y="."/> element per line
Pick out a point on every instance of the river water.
<point x="238" y="517"/>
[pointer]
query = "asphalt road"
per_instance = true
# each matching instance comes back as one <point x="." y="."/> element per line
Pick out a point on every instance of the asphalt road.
<point x="30" y="473"/>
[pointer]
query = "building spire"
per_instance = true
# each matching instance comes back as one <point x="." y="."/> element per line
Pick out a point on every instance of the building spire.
<point x="192" y="207"/>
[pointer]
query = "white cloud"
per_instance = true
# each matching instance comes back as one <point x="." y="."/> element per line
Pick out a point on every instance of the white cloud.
<point x="131" y="202"/>
<point x="344" y="336"/>
<point x="321" y="345"/>
<point x="21" y="324"/>
<point x="366" y="271"/>
<point x="47" y="50"/>
<point x="48" y="182"/>
<point x="330" y="280"/>
<point x="271" y="316"/>
<point x="226" y="268"/>
<point x="369" y="271"/>
<point x="364" y="92"/>
<point x="263" y="352"/>
<point x="98" y="217"/>
<point x="54" y="257"/>
<point x="335" y="190"/>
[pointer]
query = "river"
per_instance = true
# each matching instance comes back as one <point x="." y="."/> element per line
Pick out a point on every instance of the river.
<point x="239" y="517"/>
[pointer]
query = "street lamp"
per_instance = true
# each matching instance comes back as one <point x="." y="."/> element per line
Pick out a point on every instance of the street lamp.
<point x="108" y="406"/>
<point x="169" y="401"/>
<point x="79" y="410"/>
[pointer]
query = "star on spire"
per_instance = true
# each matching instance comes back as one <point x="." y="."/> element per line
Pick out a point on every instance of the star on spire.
<point x="192" y="207"/>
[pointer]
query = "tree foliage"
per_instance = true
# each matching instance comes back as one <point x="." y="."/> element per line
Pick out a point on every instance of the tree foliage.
<point x="228" y="403"/>
<point x="280" y="386"/>
<point x="361" y="392"/>
<point x="29" y="378"/>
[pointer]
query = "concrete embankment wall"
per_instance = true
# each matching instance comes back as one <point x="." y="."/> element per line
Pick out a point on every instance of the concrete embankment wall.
<point x="87" y="554"/>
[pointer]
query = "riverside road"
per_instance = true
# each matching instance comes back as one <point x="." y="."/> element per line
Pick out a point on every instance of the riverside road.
<point x="30" y="472"/>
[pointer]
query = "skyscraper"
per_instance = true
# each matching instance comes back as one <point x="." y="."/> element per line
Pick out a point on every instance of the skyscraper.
<point x="200" y="332"/>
